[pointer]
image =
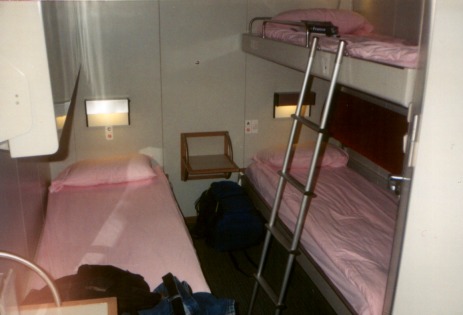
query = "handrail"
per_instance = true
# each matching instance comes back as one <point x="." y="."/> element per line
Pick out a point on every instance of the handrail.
<point x="321" y="27"/>
<point x="38" y="270"/>
<point x="258" y="18"/>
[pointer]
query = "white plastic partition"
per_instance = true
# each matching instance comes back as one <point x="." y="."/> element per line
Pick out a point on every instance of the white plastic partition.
<point x="27" y="116"/>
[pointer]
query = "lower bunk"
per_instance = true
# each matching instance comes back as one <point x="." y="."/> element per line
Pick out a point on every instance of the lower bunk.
<point x="349" y="229"/>
<point x="119" y="213"/>
<point x="347" y="237"/>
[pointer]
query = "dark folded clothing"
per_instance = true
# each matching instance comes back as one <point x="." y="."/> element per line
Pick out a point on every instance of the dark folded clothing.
<point x="98" y="281"/>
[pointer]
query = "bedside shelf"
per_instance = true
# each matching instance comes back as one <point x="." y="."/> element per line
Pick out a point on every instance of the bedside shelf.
<point x="214" y="165"/>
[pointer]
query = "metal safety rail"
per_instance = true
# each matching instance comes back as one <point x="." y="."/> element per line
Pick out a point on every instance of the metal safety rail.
<point x="307" y="191"/>
<point x="309" y="27"/>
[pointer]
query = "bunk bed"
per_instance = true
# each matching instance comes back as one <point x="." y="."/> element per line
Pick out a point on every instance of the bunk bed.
<point x="348" y="232"/>
<point x="121" y="212"/>
<point x="374" y="64"/>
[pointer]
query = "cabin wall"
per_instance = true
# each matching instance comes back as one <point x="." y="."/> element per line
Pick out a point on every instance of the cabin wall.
<point x="23" y="192"/>
<point x="398" y="18"/>
<point x="175" y="87"/>
<point x="430" y="277"/>
<point x="379" y="13"/>
<point x="182" y="67"/>
<point x="120" y="59"/>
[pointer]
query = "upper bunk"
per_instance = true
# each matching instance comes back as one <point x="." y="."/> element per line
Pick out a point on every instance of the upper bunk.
<point x="377" y="65"/>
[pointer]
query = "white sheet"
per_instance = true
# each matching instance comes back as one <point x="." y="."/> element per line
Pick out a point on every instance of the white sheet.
<point x="348" y="230"/>
<point x="137" y="227"/>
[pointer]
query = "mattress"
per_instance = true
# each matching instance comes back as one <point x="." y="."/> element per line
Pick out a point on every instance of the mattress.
<point x="348" y="231"/>
<point x="136" y="226"/>
<point x="373" y="47"/>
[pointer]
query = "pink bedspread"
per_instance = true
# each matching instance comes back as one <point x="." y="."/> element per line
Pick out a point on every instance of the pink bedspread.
<point x="136" y="227"/>
<point x="348" y="231"/>
<point x="371" y="47"/>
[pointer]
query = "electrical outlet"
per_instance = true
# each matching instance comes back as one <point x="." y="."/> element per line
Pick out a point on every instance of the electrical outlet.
<point x="251" y="126"/>
<point x="109" y="132"/>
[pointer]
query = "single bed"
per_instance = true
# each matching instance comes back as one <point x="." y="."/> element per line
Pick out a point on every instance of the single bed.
<point x="122" y="212"/>
<point x="348" y="232"/>
<point x="378" y="65"/>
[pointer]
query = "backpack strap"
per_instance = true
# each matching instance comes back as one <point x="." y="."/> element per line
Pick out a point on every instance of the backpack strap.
<point x="174" y="295"/>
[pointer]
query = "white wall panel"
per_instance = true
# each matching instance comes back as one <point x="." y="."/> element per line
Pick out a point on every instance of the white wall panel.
<point x="23" y="191"/>
<point x="12" y="236"/>
<point x="399" y="18"/>
<point x="430" y="277"/>
<point x="272" y="7"/>
<point x="202" y="80"/>
<point x="121" y="59"/>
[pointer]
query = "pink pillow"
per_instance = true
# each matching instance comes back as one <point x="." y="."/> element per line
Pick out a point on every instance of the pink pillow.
<point x="332" y="157"/>
<point x="113" y="170"/>
<point x="348" y="22"/>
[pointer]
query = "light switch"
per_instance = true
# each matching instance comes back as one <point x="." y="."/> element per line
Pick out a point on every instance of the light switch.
<point x="251" y="126"/>
<point x="109" y="132"/>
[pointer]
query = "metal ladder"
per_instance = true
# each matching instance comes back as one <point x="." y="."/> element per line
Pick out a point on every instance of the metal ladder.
<point x="307" y="190"/>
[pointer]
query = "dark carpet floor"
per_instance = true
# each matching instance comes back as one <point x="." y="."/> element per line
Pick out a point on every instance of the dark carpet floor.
<point x="225" y="280"/>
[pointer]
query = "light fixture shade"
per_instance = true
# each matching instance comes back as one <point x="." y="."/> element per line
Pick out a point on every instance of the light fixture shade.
<point x="101" y="113"/>
<point x="285" y="103"/>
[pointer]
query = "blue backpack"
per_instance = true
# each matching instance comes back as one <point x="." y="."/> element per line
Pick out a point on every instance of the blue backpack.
<point x="227" y="219"/>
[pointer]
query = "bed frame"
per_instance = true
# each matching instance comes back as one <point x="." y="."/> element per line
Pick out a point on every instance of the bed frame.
<point x="326" y="288"/>
<point x="395" y="84"/>
<point x="128" y="221"/>
<point x="353" y="114"/>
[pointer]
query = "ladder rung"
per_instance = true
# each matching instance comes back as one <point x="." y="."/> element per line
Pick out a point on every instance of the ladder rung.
<point x="271" y="294"/>
<point x="282" y="240"/>
<point x="309" y="124"/>
<point x="290" y="179"/>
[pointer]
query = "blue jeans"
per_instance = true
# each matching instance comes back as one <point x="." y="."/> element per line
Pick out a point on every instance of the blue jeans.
<point x="201" y="303"/>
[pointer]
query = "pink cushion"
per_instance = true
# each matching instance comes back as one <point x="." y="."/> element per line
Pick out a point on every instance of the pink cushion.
<point x="332" y="157"/>
<point x="113" y="170"/>
<point x="348" y="22"/>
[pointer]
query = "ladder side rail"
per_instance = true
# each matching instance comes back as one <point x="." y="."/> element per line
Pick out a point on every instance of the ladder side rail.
<point x="325" y="115"/>
<point x="311" y="177"/>
<point x="316" y="155"/>
<point x="305" y="83"/>
<point x="292" y="136"/>
<point x="281" y="182"/>
<point x="300" y="101"/>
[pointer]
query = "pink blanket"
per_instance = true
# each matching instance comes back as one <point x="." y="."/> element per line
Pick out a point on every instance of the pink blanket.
<point x="136" y="226"/>
<point x="371" y="47"/>
<point x="348" y="231"/>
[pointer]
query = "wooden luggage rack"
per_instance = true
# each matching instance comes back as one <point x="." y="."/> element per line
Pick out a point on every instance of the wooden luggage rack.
<point x="218" y="164"/>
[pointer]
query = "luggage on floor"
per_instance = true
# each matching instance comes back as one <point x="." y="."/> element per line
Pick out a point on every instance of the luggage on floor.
<point x="227" y="218"/>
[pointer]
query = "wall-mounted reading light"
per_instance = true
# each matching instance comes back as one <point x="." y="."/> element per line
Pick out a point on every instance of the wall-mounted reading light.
<point x="284" y="103"/>
<point x="101" y="113"/>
